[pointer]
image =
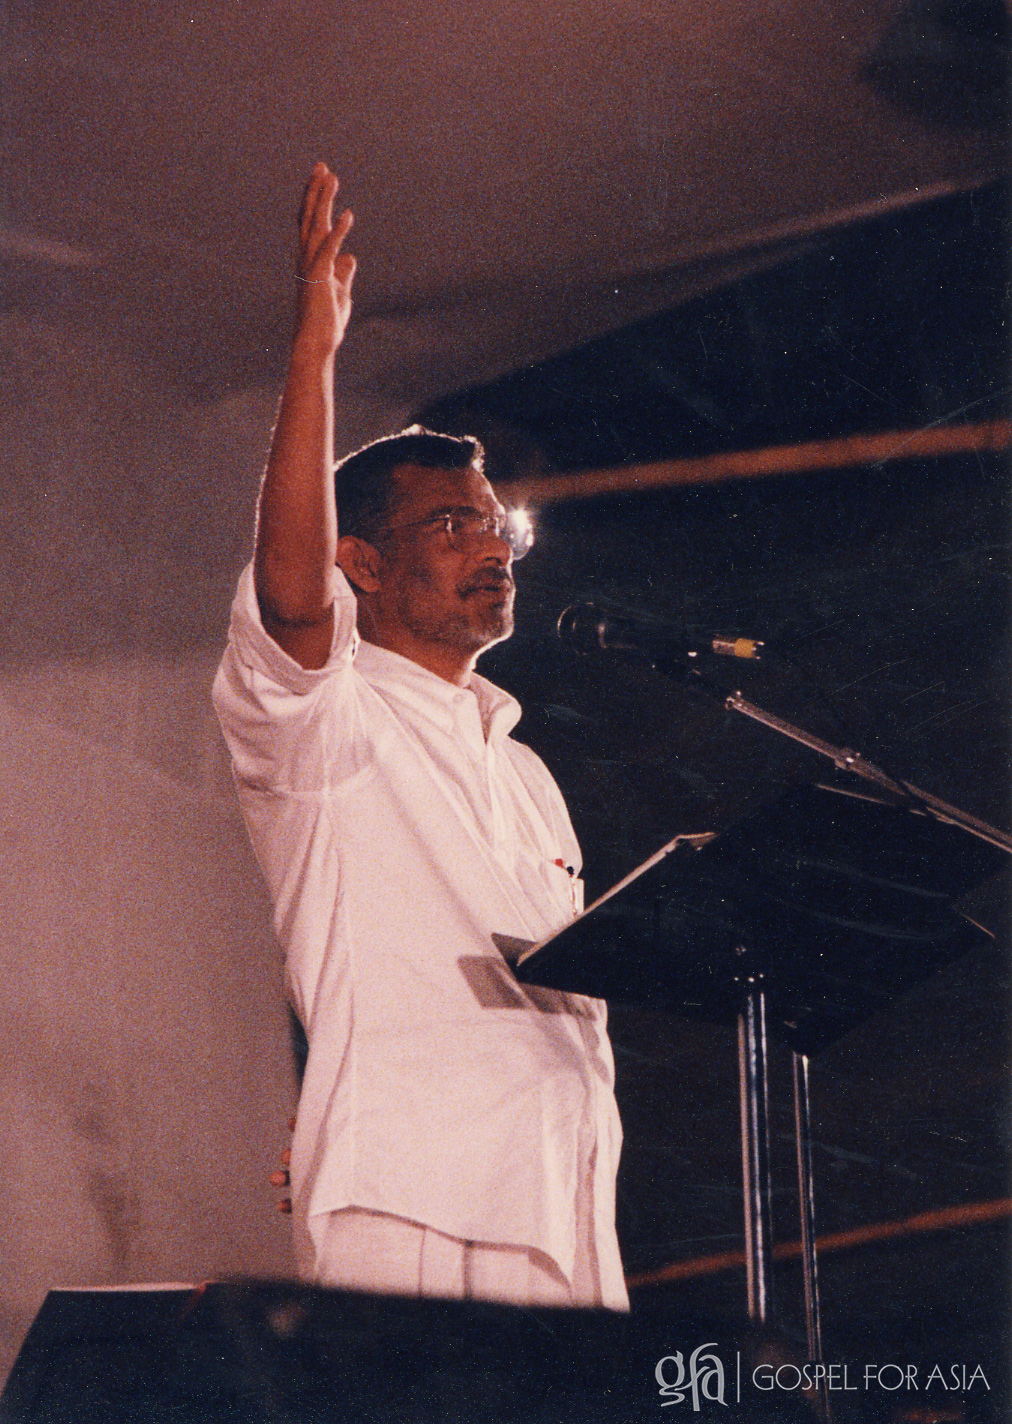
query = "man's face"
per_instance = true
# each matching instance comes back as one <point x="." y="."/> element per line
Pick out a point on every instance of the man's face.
<point x="455" y="591"/>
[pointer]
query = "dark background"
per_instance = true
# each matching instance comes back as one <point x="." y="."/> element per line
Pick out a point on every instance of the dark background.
<point x="882" y="596"/>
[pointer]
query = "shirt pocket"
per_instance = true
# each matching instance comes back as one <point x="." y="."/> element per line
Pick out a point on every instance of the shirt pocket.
<point x="566" y="886"/>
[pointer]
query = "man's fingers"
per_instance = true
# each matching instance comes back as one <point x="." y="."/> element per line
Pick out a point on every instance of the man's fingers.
<point x="328" y="260"/>
<point x="344" y="270"/>
<point x="283" y="1179"/>
<point x="331" y="244"/>
<point x="324" y="302"/>
<point x="323" y="213"/>
<point x="318" y="211"/>
<point x="309" y="196"/>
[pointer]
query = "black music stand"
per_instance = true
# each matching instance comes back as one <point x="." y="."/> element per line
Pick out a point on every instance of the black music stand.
<point x="802" y="920"/>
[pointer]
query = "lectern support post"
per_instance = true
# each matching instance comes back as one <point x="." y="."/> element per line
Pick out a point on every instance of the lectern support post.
<point x="806" y="1204"/>
<point x="809" y="915"/>
<point x="755" y="1149"/>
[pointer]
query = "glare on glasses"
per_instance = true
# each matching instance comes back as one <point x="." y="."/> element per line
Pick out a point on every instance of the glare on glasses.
<point x="465" y="524"/>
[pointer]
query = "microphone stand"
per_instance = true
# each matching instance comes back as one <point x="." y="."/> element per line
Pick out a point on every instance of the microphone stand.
<point x="752" y="1073"/>
<point x="846" y="760"/>
<point x="843" y="758"/>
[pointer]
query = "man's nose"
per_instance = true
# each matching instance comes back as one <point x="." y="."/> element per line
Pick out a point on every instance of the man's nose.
<point x="495" y="545"/>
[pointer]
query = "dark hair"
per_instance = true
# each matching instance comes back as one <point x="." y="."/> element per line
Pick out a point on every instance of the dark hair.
<point x="363" y="480"/>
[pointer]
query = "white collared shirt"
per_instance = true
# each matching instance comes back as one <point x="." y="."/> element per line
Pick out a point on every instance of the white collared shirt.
<point x="399" y="827"/>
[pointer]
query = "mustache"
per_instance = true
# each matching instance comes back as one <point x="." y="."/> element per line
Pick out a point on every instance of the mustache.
<point x="495" y="580"/>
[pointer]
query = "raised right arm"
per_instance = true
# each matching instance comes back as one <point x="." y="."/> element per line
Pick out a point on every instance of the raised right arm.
<point x="296" y="537"/>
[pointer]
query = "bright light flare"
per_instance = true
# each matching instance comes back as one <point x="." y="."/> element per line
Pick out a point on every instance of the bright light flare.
<point x="521" y="531"/>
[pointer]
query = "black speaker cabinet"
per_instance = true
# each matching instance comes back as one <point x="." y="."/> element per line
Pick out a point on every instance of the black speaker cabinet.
<point x="279" y="1353"/>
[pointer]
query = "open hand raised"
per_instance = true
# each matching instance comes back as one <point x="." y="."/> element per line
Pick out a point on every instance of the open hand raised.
<point x="325" y="273"/>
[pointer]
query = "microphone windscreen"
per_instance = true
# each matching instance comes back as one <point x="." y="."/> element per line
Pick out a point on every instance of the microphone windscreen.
<point x="582" y="627"/>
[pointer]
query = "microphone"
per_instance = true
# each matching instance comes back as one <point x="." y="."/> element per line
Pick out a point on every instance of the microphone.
<point x="588" y="629"/>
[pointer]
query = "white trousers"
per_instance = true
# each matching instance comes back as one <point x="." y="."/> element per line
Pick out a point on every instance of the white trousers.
<point x="370" y="1251"/>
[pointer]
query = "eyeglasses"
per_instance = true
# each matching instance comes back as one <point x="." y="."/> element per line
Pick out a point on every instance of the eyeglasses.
<point x="462" y="526"/>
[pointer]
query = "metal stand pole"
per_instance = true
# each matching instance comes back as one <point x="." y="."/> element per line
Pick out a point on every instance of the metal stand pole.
<point x="806" y="1207"/>
<point x="846" y="760"/>
<point x="755" y="1150"/>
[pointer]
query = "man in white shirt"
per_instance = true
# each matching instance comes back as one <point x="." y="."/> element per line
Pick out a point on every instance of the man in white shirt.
<point x="457" y="1133"/>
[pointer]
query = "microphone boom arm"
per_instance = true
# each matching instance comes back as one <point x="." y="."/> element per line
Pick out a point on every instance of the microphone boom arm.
<point x="588" y="628"/>
<point x="846" y="760"/>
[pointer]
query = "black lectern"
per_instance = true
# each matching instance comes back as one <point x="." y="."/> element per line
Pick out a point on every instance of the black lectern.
<point x="802" y="920"/>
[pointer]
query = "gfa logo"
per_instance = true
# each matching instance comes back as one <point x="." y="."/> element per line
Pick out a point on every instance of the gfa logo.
<point x="703" y="1379"/>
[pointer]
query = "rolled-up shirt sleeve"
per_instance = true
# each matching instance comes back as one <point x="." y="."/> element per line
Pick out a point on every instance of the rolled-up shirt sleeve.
<point x="273" y="711"/>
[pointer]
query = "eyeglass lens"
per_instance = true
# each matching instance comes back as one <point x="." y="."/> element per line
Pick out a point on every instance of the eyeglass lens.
<point x="466" y="524"/>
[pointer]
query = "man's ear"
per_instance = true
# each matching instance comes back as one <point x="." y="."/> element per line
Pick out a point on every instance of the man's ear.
<point x="360" y="562"/>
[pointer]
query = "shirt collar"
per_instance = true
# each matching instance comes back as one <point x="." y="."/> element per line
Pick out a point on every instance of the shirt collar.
<point x="398" y="678"/>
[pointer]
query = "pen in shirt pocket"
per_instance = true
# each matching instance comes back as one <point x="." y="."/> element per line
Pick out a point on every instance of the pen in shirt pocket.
<point x="573" y="883"/>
